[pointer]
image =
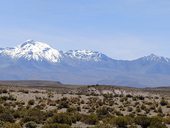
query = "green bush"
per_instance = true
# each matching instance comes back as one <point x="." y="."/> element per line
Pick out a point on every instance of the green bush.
<point x="62" y="118"/>
<point x="156" y="122"/>
<point x="121" y="122"/>
<point x="143" y="121"/>
<point x="31" y="124"/>
<point x="90" y="119"/>
<point x="141" y="97"/>
<point x="2" y="109"/>
<point x="1" y="124"/>
<point x="103" y="111"/>
<point x="3" y="91"/>
<point x="63" y="103"/>
<point x="166" y="120"/>
<point x="160" y="110"/>
<point x="56" y="125"/>
<point x="6" y="117"/>
<point x="31" y="102"/>
<point x="163" y="102"/>
<point x="71" y="109"/>
<point x="12" y="125"/>
<point x="34" y="115"/>
<point x="130" y="109"/>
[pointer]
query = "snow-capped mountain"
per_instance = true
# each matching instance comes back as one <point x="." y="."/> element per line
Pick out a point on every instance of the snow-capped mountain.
<point x="155" y="58"/>
<point x="39" y="51"/>
<point x="86" y="55"/>
<point x="34" y="60"/>
<point x="33" y="50"/>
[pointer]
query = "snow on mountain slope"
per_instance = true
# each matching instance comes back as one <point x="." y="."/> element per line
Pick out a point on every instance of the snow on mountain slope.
<point x="38" y="51"/>
<point x="80" y="66"/>
<point x="33" y="50"/>
<point x="86" y="55"/>
<point x="155" y="58"/>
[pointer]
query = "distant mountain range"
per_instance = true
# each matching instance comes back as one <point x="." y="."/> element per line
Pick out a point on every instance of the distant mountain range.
<point x="35" y="60"/>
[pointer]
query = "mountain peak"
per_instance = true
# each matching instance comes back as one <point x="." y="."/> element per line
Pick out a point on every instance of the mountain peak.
<point x="34" y="50"/>
<point x="153" y="55"/>
<point x="32" y="43"/>
<point x="155" y="58"/>
<point x="86" y="55"/>
<point x="28" y="42"/>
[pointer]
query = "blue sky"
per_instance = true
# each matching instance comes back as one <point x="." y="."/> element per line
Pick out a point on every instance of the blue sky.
<point x="122" y="29"/>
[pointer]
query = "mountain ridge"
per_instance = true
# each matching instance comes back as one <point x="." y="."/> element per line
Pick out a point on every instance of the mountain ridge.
<point x="34" y="60"/>
<point x="76" y="54"/>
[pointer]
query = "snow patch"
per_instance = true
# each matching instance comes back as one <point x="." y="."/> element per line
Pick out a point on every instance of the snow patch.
<point x="33" y="50"/>
<point x="85" y="55"/>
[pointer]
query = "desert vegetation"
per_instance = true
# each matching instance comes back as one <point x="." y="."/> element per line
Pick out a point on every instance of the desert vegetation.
<point x="83" y="107"/>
